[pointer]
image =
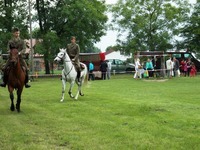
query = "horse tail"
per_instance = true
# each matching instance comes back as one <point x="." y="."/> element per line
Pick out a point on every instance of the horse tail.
<point x="86" y="76"/>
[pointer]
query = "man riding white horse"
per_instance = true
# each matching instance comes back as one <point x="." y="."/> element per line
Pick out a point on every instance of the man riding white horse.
<point x="69" y="74"/>
<point x="73" y="51"/>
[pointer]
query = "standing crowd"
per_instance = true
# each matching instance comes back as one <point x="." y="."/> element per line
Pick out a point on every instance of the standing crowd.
<point x="174" y="68"/>
<point x="105" y="68"/>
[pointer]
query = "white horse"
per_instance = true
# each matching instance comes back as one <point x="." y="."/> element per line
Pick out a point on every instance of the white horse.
<point x="69" y="74"/>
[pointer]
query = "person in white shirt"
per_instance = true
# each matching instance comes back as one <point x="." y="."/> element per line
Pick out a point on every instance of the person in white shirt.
<point x="138" y="69"/>
<point x="169" y="66"/>
<point x="109" y="69"/>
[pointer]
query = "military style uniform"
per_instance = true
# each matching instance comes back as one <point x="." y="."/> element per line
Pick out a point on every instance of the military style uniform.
<point x="21" y="47"/>
<point x="73" y="51"/>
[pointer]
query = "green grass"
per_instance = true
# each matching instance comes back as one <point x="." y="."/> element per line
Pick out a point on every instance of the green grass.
<point x="121" y="113"/>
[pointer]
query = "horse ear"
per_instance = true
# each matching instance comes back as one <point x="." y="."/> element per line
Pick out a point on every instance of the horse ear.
<point x="62" y="49"/>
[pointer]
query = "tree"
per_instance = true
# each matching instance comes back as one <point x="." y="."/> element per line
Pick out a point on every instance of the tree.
<point x="148" y="24"/>
<point x="191" y="31"/>
<point x="12" y="14"/>
<point x="49" y="48"/>
<point x="84" y="19"/>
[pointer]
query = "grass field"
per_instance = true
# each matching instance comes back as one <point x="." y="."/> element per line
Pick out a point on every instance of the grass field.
<point x="117" y="114"/>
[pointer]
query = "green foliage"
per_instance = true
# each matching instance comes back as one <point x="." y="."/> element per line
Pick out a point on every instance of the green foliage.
<point x="49" y="47"/>
<point x="149" y="24"/>
<point x="121" y="113"/>
<point x="84" y="19"/>
<point x="13" y="14"/>
<point x="191" y="31"/>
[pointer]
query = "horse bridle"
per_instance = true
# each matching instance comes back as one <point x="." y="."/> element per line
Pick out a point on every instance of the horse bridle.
<point x="63" y="58"/>
<point x="66" y="61"/>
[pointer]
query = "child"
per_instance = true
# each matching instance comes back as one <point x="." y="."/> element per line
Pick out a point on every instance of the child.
<point x="193" y="71"/>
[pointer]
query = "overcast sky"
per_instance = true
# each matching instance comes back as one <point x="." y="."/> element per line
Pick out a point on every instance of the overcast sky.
<point x="111" y="36"/>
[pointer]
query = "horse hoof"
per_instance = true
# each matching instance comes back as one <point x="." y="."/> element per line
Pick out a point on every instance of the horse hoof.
<point x="71" y="96"/>
<point x="81" y="94"/>
<point x="61" y="100"/>
<point x="12" y="108"/>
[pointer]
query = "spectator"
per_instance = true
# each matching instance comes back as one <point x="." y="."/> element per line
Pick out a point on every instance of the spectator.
<point x="182" y="64"/>
<point x="193" y="70"/>
<point x="176" y="67"/>
<point x="91" y="69"/>
<point x="169" y="66"/>
<point x="189" y="65"/>
<point x="138" y="69"/>
<point x="109" y="69"/>
<point x="103" y="69"/>
<point x="149" y="67"/>
<point x="185" y="68"/>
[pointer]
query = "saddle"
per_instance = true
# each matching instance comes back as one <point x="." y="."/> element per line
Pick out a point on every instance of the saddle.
<point x="82" y="66"/>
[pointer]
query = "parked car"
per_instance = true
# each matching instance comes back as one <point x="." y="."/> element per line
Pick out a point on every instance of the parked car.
<point x="121" y="66"/>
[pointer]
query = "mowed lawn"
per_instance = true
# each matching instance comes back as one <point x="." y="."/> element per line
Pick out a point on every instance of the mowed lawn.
<point x="117" y="114"/>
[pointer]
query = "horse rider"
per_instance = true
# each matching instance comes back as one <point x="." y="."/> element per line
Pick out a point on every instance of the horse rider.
<point x="16" y="42"/>
<point x="73" y="51"/>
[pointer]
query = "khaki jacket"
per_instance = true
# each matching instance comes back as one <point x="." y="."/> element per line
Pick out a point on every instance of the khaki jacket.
<point x="73" y="51"/>
<point x="17" y="43"/>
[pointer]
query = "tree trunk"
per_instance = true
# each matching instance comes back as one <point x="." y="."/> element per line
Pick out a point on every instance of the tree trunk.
<point x="47" y="68"/>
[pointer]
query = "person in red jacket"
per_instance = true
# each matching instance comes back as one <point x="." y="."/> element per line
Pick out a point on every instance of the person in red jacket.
<point x="193" y="70"/>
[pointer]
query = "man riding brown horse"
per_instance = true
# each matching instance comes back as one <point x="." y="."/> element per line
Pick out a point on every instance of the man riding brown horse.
<point x="18" y="43"/>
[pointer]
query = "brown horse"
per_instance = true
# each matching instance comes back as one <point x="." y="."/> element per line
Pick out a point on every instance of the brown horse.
<point x="16" y="78"/>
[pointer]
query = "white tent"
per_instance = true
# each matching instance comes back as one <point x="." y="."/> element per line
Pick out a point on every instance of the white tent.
<point x="116" y="55"/>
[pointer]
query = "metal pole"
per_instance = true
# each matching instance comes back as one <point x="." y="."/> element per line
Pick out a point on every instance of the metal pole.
<point x="31" y="43"/>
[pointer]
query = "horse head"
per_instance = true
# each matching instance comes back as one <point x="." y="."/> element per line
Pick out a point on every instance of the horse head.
<point x="14" y="56"/>
<point x="62" y="55"/>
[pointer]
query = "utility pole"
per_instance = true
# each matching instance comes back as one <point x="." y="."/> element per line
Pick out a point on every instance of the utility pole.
<point x="31" y="43"/>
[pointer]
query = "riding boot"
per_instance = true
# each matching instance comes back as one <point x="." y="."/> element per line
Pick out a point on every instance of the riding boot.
<point x="3" y="84"/>
<point x="78" y="75"/>
<point x="26" y="80"/>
